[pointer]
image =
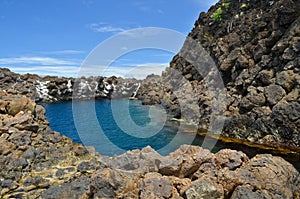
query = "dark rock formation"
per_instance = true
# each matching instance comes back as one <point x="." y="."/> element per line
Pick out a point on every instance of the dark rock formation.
<point x="53" y="89"/>
<point x="255" y="45"/>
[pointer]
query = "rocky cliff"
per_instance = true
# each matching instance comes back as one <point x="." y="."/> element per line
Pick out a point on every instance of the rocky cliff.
<point x="53" y="89"/>
<point x="36" y="162"/>
<point x="255" y="45"/>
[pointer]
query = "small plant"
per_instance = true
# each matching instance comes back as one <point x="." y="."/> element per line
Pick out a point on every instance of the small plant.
<point x="227" y="4"/>
<point x="217" y="15"/>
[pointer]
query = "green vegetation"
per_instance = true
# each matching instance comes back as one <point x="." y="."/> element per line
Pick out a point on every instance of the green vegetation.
<point x="227" y="4"/>
<point x="217" y="15"/>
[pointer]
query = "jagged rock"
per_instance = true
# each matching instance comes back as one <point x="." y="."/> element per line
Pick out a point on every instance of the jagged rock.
<point x="36" y="181"/>
<point x="155" y="185"/>
<point x="244" y="192"/>
<point x="53" y="89"/>
<point x="274" y="94"/>
<point x="85" y="167"/>
<point x="75" y="189"/>
<point x="53" y="167"/>
<point x="265" y="77"/>
<point x="146" y="160"/>
<point x="204" y="189"/>
<point x="257" y="59"/>
<point x="29" y="154"/>
<point x="254" y="98"/>
<point x="286" y="79"/>
<point x="184" y="161"/>
<point x="262" y="166"/>
<point x="230" y="158"/>
<point x="286" y="111"/>
<point x="21" y="138"/>
<point x="6" y="147"/>
<point x="110" y="183"/>
<point x="22" y="104"/>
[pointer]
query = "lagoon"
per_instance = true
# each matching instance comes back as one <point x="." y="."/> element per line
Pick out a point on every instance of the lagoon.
<point x="115" y="126"/>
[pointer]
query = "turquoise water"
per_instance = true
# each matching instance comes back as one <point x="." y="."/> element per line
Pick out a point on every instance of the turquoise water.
<point x="115" y="126"/>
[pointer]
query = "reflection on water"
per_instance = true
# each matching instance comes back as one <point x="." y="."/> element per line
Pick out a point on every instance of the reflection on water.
<point x="122" y="125"/>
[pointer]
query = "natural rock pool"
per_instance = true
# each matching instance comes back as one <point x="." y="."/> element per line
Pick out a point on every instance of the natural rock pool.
<point x="122" y="125"/>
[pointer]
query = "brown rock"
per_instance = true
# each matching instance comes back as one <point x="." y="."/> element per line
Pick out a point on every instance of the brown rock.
<point x="138" y="161"/>
<point x="21" y="104"/>
<point x="6" y="147"/>
<point x="204" y="189"/>
<point x="108" y="183"/>
<point x="231" y="158"/>
<point x="274" y="93"/>
<point x="292" y="96"/>
<point x="285" y="79"/>
<point x="265" y="76"/>
<point x="184" y="161"/>
<point x="180" y="184"/>
<point x="286" y="111"/>
<point x="229" y="61"/>
<point x="273" y="172"/>
<point x="21" y="138"/>
<point x="3" y="105"/>
<point x="155" y="185"/>
<point x="244" y="192"/>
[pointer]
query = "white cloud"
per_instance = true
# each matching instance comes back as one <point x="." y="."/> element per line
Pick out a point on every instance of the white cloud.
<point x="139" y="71"/>
<point x="103" y="27"/>
<point x="68" y="71"/>
<point x="63" y="52"/>
<point x="61" y="67"/>
<point x="143" y="32"/>
<point x="124" y="48"/>
<point x="41" y="65"/>
<point x="36" y="60"/>
<point x="142" y="6"/>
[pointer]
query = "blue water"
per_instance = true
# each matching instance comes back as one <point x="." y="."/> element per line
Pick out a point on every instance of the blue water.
<point x="115" y="126"/>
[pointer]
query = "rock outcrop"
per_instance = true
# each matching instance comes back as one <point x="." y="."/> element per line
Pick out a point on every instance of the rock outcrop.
<point x="36" y="162"/>
<point x="34" y="158"/>
<point x="255" y="45"/>
<point x="53" y="89"/>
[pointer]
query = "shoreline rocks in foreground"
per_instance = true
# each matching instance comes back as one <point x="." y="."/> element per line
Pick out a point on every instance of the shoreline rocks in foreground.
<point x="36" y="162"/>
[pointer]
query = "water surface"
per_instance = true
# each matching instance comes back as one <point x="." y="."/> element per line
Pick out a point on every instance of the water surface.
<point x="120" y="125"/>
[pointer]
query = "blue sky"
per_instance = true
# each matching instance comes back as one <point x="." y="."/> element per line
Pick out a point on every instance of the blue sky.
<point x="54" y="37"/>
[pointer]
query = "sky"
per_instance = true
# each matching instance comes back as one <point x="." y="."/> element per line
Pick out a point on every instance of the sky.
<point x="55" y="37"/>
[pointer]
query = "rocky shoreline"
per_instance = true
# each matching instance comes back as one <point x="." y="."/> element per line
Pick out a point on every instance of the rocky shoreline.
<point x="53" y="89"/>
<point x="255" y="46"/>
<point x="36" y="162"/>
